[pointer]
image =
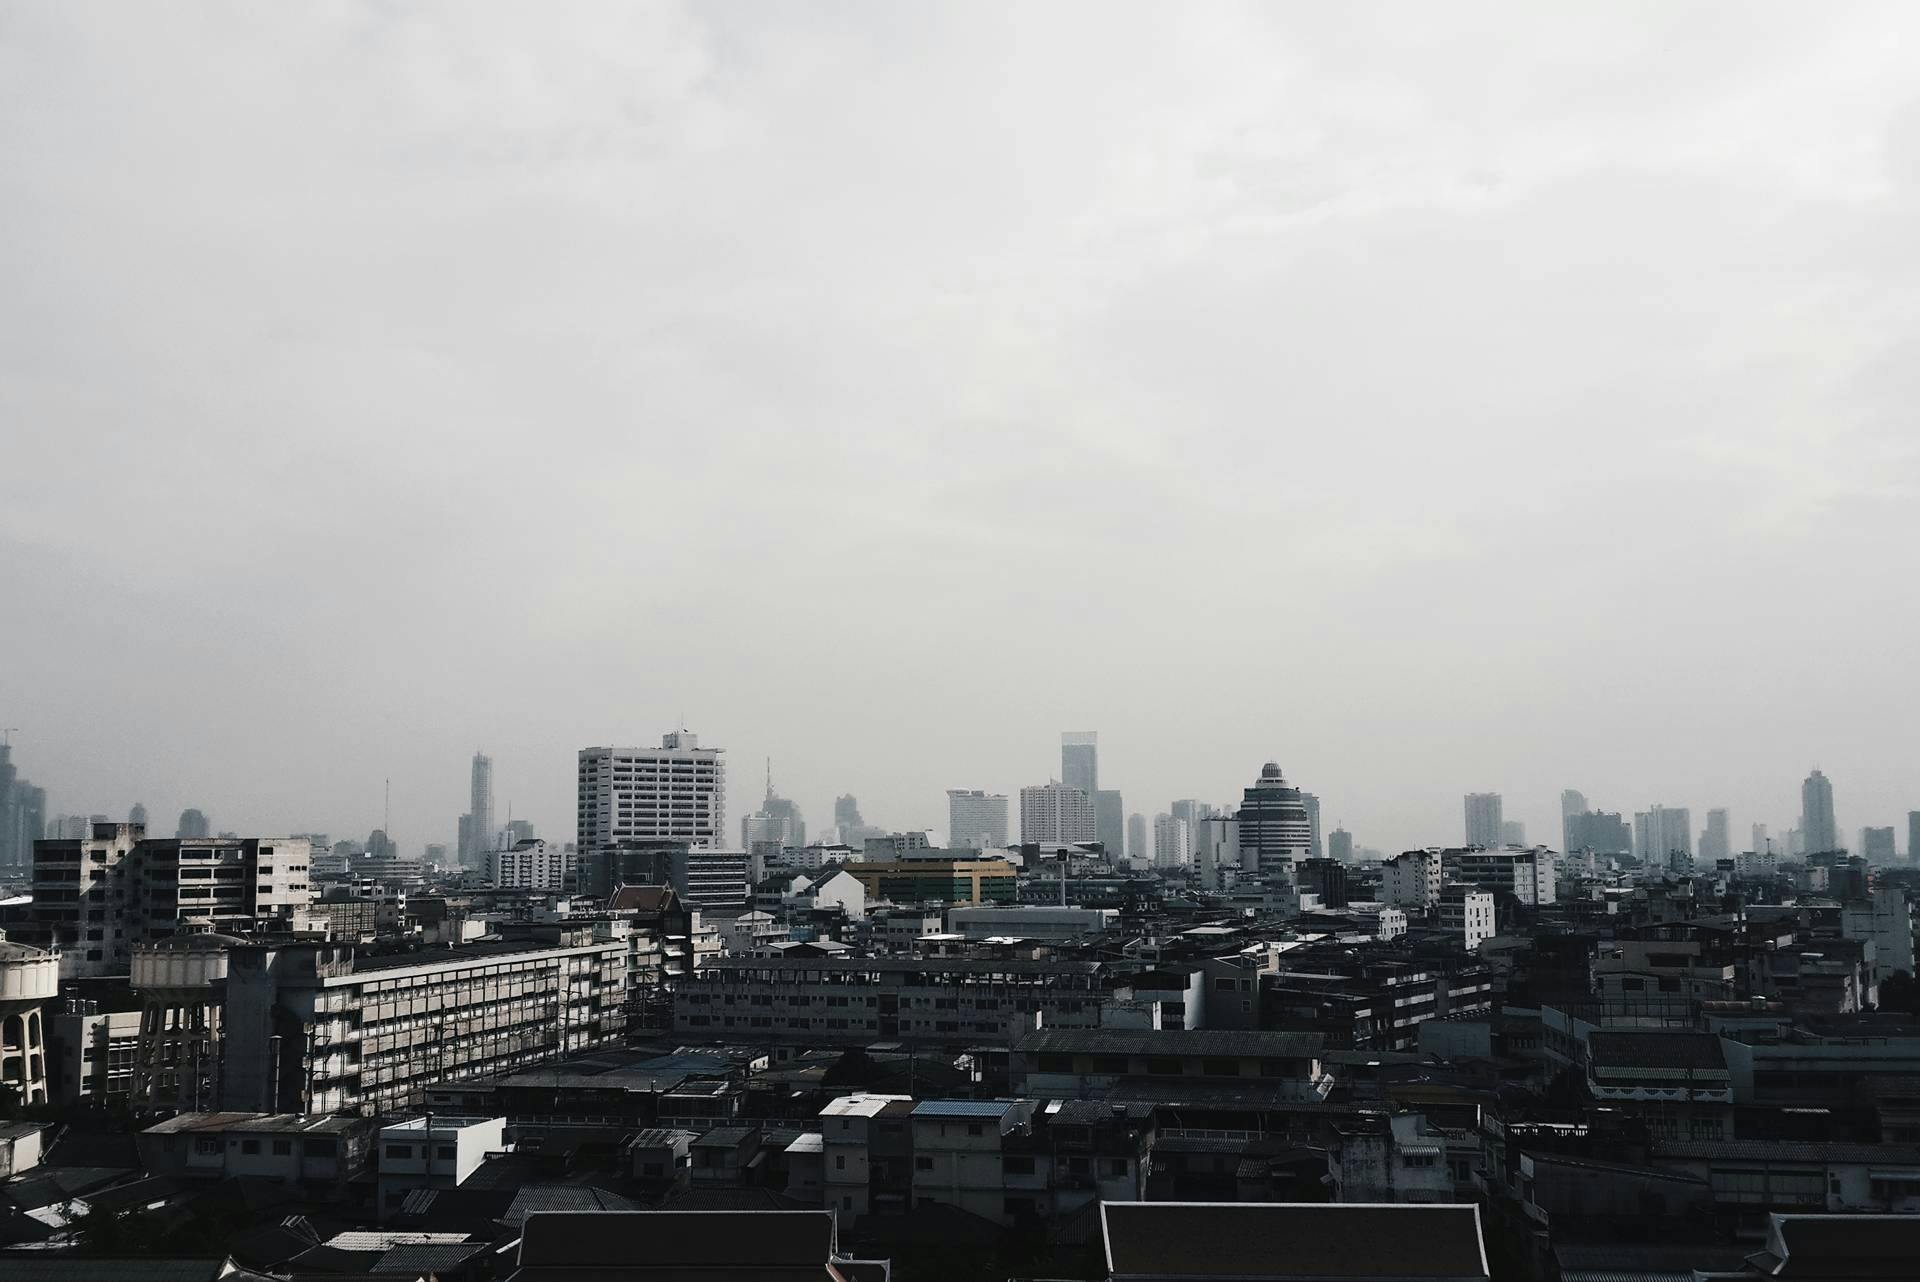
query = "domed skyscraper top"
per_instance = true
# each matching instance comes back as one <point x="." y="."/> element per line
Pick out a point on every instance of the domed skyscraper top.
<point x="1275" y="829"/>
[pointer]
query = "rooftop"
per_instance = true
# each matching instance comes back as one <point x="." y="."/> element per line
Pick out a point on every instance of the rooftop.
<point x="1305" y="1241"/>
<point x="1223" y="1042"/>
<point x="963" y="1108"/>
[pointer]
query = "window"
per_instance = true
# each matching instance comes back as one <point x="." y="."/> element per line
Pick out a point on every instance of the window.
<point x="1056" y="1063"/>
<point x="400" y="1152"/>
<point x="839" y="1162"/>
<point x="973" y="1128"/>
<point x="1220" y="1067"/>
<point x="1161" y="1066"/>
<point x="923" y="1164"/>
<point x="206" y="1144"/>
<point x="250" y="1146"/>
<point x="444" y="1152"/>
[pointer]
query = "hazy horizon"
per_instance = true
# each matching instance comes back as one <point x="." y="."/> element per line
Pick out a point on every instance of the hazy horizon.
<point x="1432" y="400"/>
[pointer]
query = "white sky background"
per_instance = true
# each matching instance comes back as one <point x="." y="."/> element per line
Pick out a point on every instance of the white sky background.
<point x="1430" y="397"/>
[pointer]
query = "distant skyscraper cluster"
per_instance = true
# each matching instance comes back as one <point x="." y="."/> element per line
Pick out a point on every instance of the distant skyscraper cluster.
<point x="23" y="813"/>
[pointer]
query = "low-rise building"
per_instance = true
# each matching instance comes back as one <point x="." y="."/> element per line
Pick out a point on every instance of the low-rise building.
<point x="436" y="1152"/>
<point x="938" y="881"/>
<point x="1089" y="1063"/>
<point x="292" y="1148"/>
<point x="1466" y="913"/>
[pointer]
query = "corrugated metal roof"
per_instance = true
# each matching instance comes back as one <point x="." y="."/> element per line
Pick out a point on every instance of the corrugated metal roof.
<point x="963" y="1108"/>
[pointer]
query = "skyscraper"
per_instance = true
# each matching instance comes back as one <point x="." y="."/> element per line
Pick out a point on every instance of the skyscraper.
<point x="1172" y="842"/>
<point x="777" y="824"/>
<point x="1913" y="836"/>
<point x="1138" y="844"/>
<point x="976" y="820"/>
<point x="1876" y="845"/>
<point x="1275" y="833"/>
<point x="1483" y="819"/>
<point x="1602" y="832"/>
<point x="137" y="815"/>
<point x="1661" y="833"/>
<point x="1513" y="833"/>
<point x="1110" y="821"/>
<point x="193" y="824"/>
<point x="23" y="813"/>
<point x="1080" y="760"/>
<point x="1340" y="845"/>
<point x="1762" y="843"/>
<point x="1194" y="812"/>
<point x="478" y="836"/>
<point x="1315" y="847"/>
<point x="676" y="792"/>
<point x="1572" y="802"/>
<point x="1715" y="840"/>
<point x="1055" y="812"/>
<point x="1817" y="829"/>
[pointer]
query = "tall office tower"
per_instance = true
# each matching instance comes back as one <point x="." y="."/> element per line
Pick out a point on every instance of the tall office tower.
<point x="23" y="814"/>
<point x="1762" y="843"/>
<point x="1572" y="802"/>
<point x="1817" y="828"/>
<point x="1110" y="822"/>
<point x="1172" y="842"/>
<point x="846" y="814"/>
<point x="676" y="792"/>
<point x="193" y="825"/>
<point x="1601" y="831"/>
<point x="1716" y="842"/>
<point x="1194" y="812"/>
<point x="1138" y="843"/>
<point x="1216" y="848"/>
<point x="1080" y="760"/>
<point x="481" y="836"/>
<point x="137" y="815"/>
<point x="1340" y="845"/>
<point x="1513" y="833"/>
<point x="519" y="830"/>
<point x="1662" y="832"/>
<point x="1876" y="845"/>
<point x="976" y="819"/>
<point x="1275" y="833"/>
<point x="1913" y="836"/>
<point x="774" y="827"/>
<point x="1483" y="819"/>
<point x="1316" y="848"/>
<point x="1055" y="812"/>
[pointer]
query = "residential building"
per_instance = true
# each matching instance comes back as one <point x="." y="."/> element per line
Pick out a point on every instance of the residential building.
<point x="1080" y="1063"/>
<point x="1716" y="841"/>
<point x="94" y="898"/>
<point x="976" y="819"/>
<point x="1467" y="912"/>
<point x="433" y="1152"/>
<point x="1139" y="845"/>
<point x="1034" y="921"/>
<point x="1326" y="878"/>
<point x="859" y="1000"/>
<point x="1412" y="880"/>
<point x="1876" y="845"/>
<point x="1573" y="802"/>
<point x="91" y="1055"/>
<point x="867" y="1150"/>
<point x="673" y="793"/>
<point x="1340" y="845"/>
<point x="1056" y="812"/>
<point x="1662" y="832"/>
<point x="1110" y="822"/>
<point x="320" y="1028"/>
<point x="1483" y="819"/>
<point x="1079" y="763"/>
<point x="1216" y="851"/>
<point x="1818" y="830"/>
<point x="1275" y="830"/>
<point x="1172" y="844"/>
<point x="1886" y="918"/>
<point x="1600" y="831"/>
<point x="1527" y="875"/>
<point x="290" y="1148"/>
<point x="1513" y="833"/>
<point x="193" y="824"/>
<point x="533" y="865"/>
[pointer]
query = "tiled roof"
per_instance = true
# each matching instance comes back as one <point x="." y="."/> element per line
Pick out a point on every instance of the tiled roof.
<point x="679" y="1240"/>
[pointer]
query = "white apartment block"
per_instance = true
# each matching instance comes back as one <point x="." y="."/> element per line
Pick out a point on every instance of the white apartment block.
<point x="976" y="820"/>
<point x="1172" y="842"/>
<point x="1468" y="913"/>
<point x="1412" y="880"/>
<point x="676" y="792"/>
<point x="532" y="865"/>
<point x="1055" y="812"/>
<point x="1527" y="875"/>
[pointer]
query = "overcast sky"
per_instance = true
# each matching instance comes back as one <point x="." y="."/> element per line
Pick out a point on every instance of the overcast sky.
<point x="1432" y="398"/>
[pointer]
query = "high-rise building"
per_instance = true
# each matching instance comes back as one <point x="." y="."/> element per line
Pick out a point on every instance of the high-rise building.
<point x="1080" y="760"/>
<point x="1513" y="832"/>
<point x="1483" y="819"/>
<point x="1315" y="846"/>
<point x="1762" y="843"/>
<point x="1172" y="842"/>
<point x="1572" y="802"/>
<point x="1139" y="846"/>
<point x="1194" y="812"/>
<point x="519" y="830"/>
<point x="1603" y="832"/>
<point x="477" y="834"/>
<point x="193" y="825"/>
<point x="1876" y="845"/>
<point x="1913" y="836"/>
<point x="1340" y="845"/>
<point x="1661" y="833"/>
<point x="676" y="792"/>
<point x="1055" y="812"/>
<point x="1716" y="842"/>
<point x="1818" y="830"/>
<point x="776" y="826"/>
<point x="23" y="814"/>
<point x="1110" y="822"/>
<point x="1275" y="832"/>
<point x="138" y="815"/>
<point x="1216" y="849"/>
<point x="976" y="819"/>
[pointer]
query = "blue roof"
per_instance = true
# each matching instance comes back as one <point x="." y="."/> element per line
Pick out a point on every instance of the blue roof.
<point x="962" y="1108"/>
